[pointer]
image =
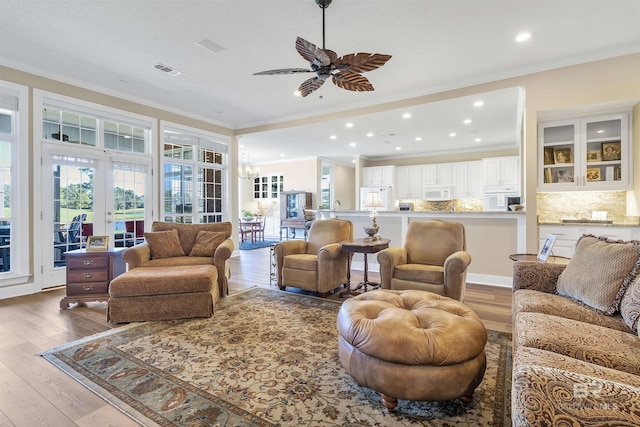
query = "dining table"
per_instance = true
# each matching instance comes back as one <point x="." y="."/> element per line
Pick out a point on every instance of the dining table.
<point x="250" y="226"/>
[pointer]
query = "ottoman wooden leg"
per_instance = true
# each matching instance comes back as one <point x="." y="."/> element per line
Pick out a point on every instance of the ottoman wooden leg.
<point x="467" y="399"/>
<point x="389" y="402"/>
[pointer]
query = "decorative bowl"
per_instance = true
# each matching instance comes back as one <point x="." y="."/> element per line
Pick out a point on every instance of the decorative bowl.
<point x="371" y="231"/>
<point x="516" y="207"/>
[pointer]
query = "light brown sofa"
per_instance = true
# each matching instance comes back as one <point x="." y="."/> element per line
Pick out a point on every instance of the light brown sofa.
<point x="179" y="272"/>
<point x="433" y="259"/>
<point x="573" y="364"/>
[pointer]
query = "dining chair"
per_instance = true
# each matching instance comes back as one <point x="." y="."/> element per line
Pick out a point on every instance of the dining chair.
<point x="258" y="228"/>
<point x="246" y="229"/>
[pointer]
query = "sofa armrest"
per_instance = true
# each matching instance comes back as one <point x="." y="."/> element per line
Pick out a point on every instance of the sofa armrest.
<point x="137" y="255"/>
<point x="220" y="259"/>
<point x="331" y="252"/>
<point x="537" y="276"/>
<point x="388" y="259"/>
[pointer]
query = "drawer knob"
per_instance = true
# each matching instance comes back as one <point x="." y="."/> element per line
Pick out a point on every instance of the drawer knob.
<point x="88" y="275"/>
<point x="87" y="288"/>
<point x="87" y="261"/>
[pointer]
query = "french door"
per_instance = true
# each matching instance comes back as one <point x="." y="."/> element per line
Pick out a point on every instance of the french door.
<point x="89" y="192"/>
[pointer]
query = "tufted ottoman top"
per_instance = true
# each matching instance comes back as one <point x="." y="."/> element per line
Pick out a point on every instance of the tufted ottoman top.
<point x="411" y="327"/>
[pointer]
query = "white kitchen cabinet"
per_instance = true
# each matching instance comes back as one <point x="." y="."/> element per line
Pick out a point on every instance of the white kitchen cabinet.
<point x="568" y="236"/>
<point x="503" y="172"/>
<point x="588" y="153"/>
<point x="409" y="182"/>
<point x="376" y="176"/>
<point x="437" y="174"/>
<point x="467" y="180"/>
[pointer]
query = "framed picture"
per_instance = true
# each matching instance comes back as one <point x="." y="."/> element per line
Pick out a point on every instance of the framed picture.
<point x="593" y="174"/>
<point x="564" y="176"/>
<point x="562" y="155"/>
<point x="546" y="247"/>
<point x="610" y="151"/>
<point x="593" y="156"/>
<point x="548" y="156"/>
<point x="97" y="243"/>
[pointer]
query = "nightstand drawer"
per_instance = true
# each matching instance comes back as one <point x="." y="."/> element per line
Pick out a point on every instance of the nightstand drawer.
<point x="88" y="261"/>
<point x="79" y="276"/>
<point x="88" y="288"/>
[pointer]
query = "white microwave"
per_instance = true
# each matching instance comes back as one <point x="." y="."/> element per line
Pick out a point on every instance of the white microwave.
<point x="438" y="192"/>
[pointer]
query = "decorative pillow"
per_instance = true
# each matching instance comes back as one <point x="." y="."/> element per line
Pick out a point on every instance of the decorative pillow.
<point x="630" y="305"/>
<point x="600" y="272"/>
<point x="207" y="242"/>
<point x="164" y="244"/>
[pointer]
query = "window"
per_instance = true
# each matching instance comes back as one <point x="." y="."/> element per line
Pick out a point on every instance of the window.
<point x="194" y="180"/>
<point x="14" y="253"/>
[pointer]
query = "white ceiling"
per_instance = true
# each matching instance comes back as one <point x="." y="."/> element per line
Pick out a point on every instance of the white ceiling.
<point x="436" y="45"/>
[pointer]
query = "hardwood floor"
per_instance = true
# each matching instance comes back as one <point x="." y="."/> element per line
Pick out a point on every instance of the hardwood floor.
<point x="35" y="393"/>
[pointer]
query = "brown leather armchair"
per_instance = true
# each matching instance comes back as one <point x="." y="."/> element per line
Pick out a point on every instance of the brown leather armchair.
<point x="434" y="259"/>
<point x="318" y="264"/>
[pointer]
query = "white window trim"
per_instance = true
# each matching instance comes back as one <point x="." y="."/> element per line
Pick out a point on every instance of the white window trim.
<point x="220" y="139"/>
<point x="16" y="282"/>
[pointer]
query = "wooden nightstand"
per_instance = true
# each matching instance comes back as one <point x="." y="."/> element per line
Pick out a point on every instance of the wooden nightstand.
<point x="89" y="274"/>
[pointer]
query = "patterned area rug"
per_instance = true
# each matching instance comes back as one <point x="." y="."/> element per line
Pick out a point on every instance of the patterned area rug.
<point x="266" y="358"/>
<point x="247" y="246"/>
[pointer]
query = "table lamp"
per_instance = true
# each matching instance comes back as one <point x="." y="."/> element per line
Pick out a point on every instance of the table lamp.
<point x="373" y="201"/>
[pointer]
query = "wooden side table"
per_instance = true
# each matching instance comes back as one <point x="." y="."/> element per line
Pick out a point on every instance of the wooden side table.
<point x="365" y="247"/>
<point x="553" y="259"/>
<point x="89" y="274"/>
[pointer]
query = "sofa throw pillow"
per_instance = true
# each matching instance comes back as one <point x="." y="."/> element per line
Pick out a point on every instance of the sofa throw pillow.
<point x="630" y="305"/>
<point x="164" y="244"/>
<point x="207" y="242"/>
<point x="600" y="272"/>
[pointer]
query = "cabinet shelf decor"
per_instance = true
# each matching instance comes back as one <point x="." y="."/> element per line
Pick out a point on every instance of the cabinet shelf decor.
<point x="589" y="153"/>
<point x="292" y="207"/>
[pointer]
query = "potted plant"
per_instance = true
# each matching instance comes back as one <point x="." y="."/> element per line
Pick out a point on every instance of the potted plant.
<point x="247" y="215"/>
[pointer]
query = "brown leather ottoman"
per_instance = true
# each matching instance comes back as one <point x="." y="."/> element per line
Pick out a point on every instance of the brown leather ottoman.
<point x="412" y="345"/>
<point x="163" y="293"/>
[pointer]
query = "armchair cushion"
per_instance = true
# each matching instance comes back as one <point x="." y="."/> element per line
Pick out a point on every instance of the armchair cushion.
<point x="600" y="272"/>
<point x="164" y="244"/>
<point x="207" y="242"/>
<point x="419" y="273"/>
<point x="301" y="262"/>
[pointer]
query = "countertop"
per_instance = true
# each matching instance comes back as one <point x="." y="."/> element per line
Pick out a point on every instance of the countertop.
<point x="379" y="213"/>
<point x="587" y="224"/>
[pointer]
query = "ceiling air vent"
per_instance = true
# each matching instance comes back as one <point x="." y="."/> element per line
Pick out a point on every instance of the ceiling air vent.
<point x="167" y="69"/>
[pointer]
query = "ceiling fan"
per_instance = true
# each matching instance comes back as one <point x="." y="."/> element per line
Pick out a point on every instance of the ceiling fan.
<point x="345" y="71"/>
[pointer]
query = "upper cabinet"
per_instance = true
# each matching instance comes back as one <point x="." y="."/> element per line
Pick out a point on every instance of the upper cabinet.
<point x="268" y="186"/>
<point x="467" y="180"/>
<point x="590" y="153"/>
<point x="437" y="174"/>
<point x="409" y="182"/>
<point x="378" y="176"/>
<point x="502" y="172"/>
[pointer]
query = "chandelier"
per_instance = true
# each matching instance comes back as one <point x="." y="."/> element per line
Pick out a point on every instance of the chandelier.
<point x="245" y="171"/>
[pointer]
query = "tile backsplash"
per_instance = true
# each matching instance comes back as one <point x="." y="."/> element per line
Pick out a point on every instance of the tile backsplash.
<point x="553" y="207"/>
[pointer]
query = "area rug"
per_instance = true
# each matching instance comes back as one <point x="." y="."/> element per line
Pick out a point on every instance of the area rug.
<point x="266" y="358"/>
<point x="247" y="246"/>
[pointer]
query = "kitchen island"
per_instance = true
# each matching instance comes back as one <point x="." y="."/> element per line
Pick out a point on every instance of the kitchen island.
<point x="491" y="237"/>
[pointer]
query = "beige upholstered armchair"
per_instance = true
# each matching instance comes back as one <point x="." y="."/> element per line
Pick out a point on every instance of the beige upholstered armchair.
<point x="434" y="259"/>
<point x="317" y="264"/>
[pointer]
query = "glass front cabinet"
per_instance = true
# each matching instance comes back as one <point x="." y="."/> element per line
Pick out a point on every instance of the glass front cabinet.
<point x="584" y="154"/>
<point x="268" y="186"/>
<point x="292" y="206"/>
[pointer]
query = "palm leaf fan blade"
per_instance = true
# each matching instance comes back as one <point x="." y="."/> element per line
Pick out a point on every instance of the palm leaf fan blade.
<point x="284" y="71"/>
<point x="361" y="62"/>
<point x="352" y="81"/>
<point x="310" y="85"/>
<point x="311" y="52"/>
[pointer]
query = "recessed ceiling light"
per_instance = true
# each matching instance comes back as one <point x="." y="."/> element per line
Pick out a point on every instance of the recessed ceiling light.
<point x="353" y="161"/>
<point x="281" y="154"/>
<point x="452" y="134"/>
<point x="333" y="137"/>
<point x="398" y="148"/>
<point x="297" y="93"/>
<point x="406" y="116"/>
<point x="601" y="131"/>
<point x="418" y="138"/>
<point x="467" y="121"/>
<point x="352" y="144"/>
<point x="370" y="134"/>
<point x="349" y="125"/>
<point x="478" y="103"/>
<point x="240" y="146"/>
<point x="523" y="37"/>
<point x="478" y="140"/>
